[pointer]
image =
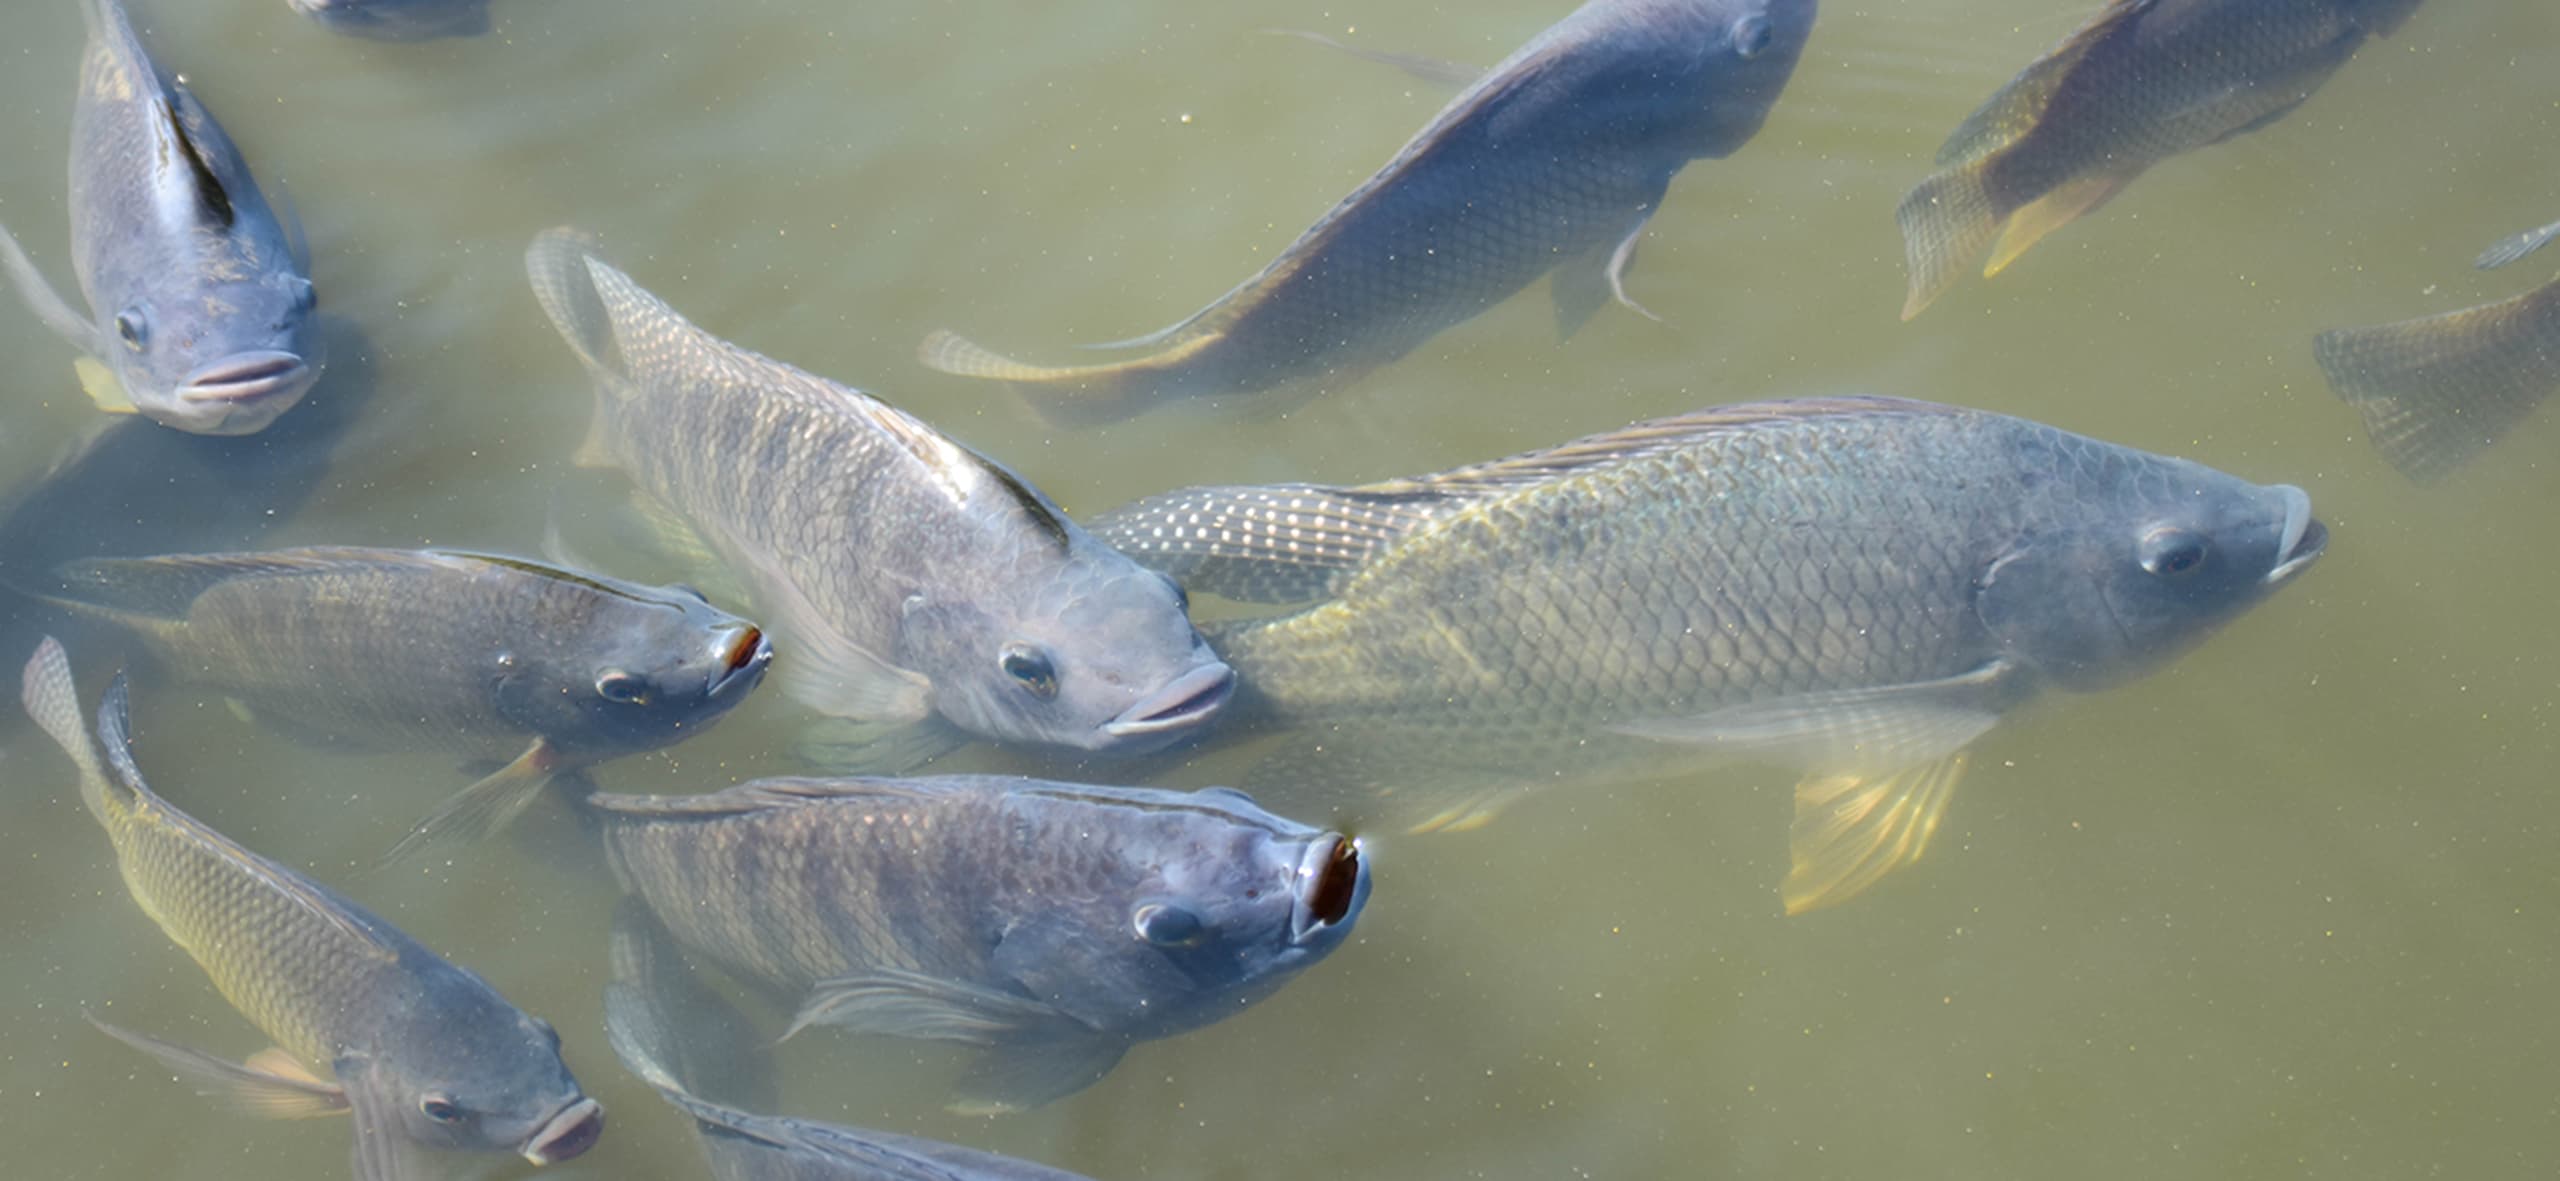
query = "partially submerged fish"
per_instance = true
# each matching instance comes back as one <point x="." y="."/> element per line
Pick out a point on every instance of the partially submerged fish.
<point x="399" y="20"/>
<point x="1855" y="587"/>
<point x="915" y="581"/>
<point x="656" y="1013"/>
<point x="198" y="297"/>
<point x="2143" y="81"/>
<point x="494" y="659"/>
<point x="426" y="1055"/>
<point x="1054" y="924"/>
<point x="1552" y="161"/>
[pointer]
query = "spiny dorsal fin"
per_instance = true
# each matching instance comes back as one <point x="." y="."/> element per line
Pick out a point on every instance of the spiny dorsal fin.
<point x="764" y="795"/>
<point x="2013" y="110"/>
<point x="163" y="587"/>
<point x="210" y="191"/>
<point x="1284" y="543"/>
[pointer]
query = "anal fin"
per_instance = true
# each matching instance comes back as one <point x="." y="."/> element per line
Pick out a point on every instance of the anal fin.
<point x="2064" y="205"/>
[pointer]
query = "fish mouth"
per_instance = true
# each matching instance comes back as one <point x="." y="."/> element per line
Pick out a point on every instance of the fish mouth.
<point x="1192" y="698"/>
<point x="574" y="1130"/>
<point x="247" y="377"/>
<point x="1332" y="884"/>
<point x="749" y="653"/>
<point x="2303" y="539"/>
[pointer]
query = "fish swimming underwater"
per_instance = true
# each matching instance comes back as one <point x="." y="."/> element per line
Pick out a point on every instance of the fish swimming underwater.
<point x="1552" y="161"/>
<point x="425" y="1054"/>
<point x="2437" y="391"/>
<point x="399" y="20"/>
<point x="918" y="585"/>
<point x="1854" y="587"/>
<point x="1053" y="924"/>
<point x="498" y="660"/>
<point x="198" y="296"/>
<point x="2143" y="81"/>
<point x="656" y="1013"/>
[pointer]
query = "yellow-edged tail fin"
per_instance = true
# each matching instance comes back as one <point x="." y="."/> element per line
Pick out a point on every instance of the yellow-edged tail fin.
<point x="1947" y="222"/>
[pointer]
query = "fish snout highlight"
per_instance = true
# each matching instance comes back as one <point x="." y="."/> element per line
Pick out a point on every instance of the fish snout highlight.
<point x="1332" y="883"/>
<point x="1189" y="701"/>
<point x="574" y="1130"/>
<point x="748" y="654"/>
<point x="2303" y="538"/>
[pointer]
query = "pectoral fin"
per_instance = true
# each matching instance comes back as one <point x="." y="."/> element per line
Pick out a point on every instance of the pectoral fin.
<point x="2051" y="212"/>
<point x="1017" y="1076"/>
<point x="383" y="1151"/>
<point x="1852" y="829"/>
<point x="102" y="385"/>
<point x="842" y="746"/>
<point x="911" y="1004"/>
<point x="1583" y="283"/>
<point x="40" y="295"/>
<point x="483" y="809"/>
<point x="258" y="1088"/>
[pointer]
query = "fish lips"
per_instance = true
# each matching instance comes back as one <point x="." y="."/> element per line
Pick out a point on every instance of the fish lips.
<point x="1190" y="701"/>
<point x="2303" y="538"/>
<point x="1331" y="887"/>
<point x="243" y="392"/>
<point x="749" y="654"/>
<point x="574" y="1130"/>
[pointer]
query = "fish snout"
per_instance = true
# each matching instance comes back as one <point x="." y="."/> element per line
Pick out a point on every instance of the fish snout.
<point x="1332" y="883"/>
<point x="748" y="654"/>
<point x="2302" y="539"/>
<point x="1190" y="700"/>
<point x="567" y="1134"/>
<point x="242" y="378"/>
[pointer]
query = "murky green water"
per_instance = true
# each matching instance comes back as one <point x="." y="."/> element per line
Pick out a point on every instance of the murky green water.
<point x="2287" y="909"/>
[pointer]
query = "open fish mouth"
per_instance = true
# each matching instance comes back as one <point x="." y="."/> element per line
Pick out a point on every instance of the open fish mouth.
<point x="574" y="1130"/>
<point x="1192" y="698"/>
<point x="1332" y="884"/>
<point x="2303" y="539"/>
<point x="248" y="377"/>
<point x="749" y="653"/>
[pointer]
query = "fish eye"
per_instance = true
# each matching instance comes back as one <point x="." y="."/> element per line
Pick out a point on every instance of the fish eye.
<point x="1031" y="669"/>
<point x="2170" y="551"/>
<point x="622" y="688"/>
<point x="1751" y="36"/>
<point x="130" y="328"/>
<point x="1166" y="926"/>
<point x="439" y="1108"/>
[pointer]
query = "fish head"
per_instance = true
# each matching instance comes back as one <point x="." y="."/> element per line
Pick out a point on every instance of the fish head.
<point x="1082" y="649"/>
<point x="472" y="1074"/>
<point x="1191" y="906"/>
<point x="1746" y="55"/>
<point x="2128" y="560"/>
<point x="399" y="20"/>
<point x="626" y="667"/>
<point x="215" y="356"/>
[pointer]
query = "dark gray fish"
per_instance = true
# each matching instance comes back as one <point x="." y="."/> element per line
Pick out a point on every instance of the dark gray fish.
<point x="1854" y="587"/>
<point x="399" y="20"/>
<point x="2143" y="81"/>
<point x="496" y="660"/>
<point x="914" y="580"/>
<point x="1552" y="161"/>
<point x="198" y="297"/>
<point x="1054" y="924"/>
<point x="656" y="1012"/>
<point x="424" y="1054"/>
<point x="2436" y="392"/>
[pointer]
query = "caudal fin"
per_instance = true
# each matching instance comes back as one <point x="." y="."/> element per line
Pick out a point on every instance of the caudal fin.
<point x="2436" y="392"/>
<point x="557" y="263"/>
<point x="1947" y="222"/>
<point x="51" y="699"/>
<point x="1067" y="395"/>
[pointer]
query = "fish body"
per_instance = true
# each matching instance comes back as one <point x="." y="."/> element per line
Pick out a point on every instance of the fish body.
<point x="2437" y="391"/>
<point x="199" y="300"/>
<point x="1552" y="161"/>
<point x="491" y="659"/>
<point x="915" y="581"/>
<point x="657" y="1014"/>
<point x="1855" y="587"/>
<point x="1053" y="924"/>
<point x="425" y="1054"/>
<point x="399" y="20"/>
<point x="2143" y="81"/>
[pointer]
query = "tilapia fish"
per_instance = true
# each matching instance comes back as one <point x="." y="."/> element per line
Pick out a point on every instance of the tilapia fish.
<point x="657" y="1013"/>
<point x="914" y="581"/>
<point x="1552" y="161"/>
<point x="1855" y="587"/>
<point x="198" y="296"/>
<point x="2143" y="81"/>
<point x="399" y="20"/>
<point x="426" y="1055"/>
<point x="1051" y="923"/>
<point x="495" y="659"/>
<point x="2436" y="392"/>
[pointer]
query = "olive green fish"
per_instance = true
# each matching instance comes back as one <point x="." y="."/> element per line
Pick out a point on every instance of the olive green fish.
<point x="1551" y="162"/>
<point x="1053" y="924"/>
<point x="2437" y="391"/>
<point x="1853" y="587"/>
<point x="497" y="660"/>
<point x="2143" y="81"/>
<point x="426" y="1055"/>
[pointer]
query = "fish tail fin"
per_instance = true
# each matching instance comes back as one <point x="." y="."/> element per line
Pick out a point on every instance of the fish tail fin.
<point x="2436" y="392"/>
<point x="557" y="263"/>
<point x="1947" y="221"/>
<point x="1067" y="395"/>
<point x="39" y="294"/>
<point x="46" y="689"/>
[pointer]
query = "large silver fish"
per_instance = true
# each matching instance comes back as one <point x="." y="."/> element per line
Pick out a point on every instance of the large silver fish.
<point x="660" y="1017"/>
<point x="1857" y="587"/>
<point x="496" y="660"/>
<point x="424" y="1054"/>
<point x="913" y="580"/>
<point x="2143" y="81"/>
<point x="199" y="303"/>
<point x="1552" y="161"/>
<point x="1053" y="924"/>
<point x="399" y="20"/>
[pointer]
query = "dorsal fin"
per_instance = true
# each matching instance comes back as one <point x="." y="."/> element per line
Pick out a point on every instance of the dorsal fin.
<point x="163" y="587"/>
<point x="2013" y="110"/>
<point x="761" y="795"/>
<point x="1531" y="467"/>
<point x="209" y="189"/>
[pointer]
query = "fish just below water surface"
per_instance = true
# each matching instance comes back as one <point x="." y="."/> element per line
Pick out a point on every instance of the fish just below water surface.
<point x="1855" y="587"/>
